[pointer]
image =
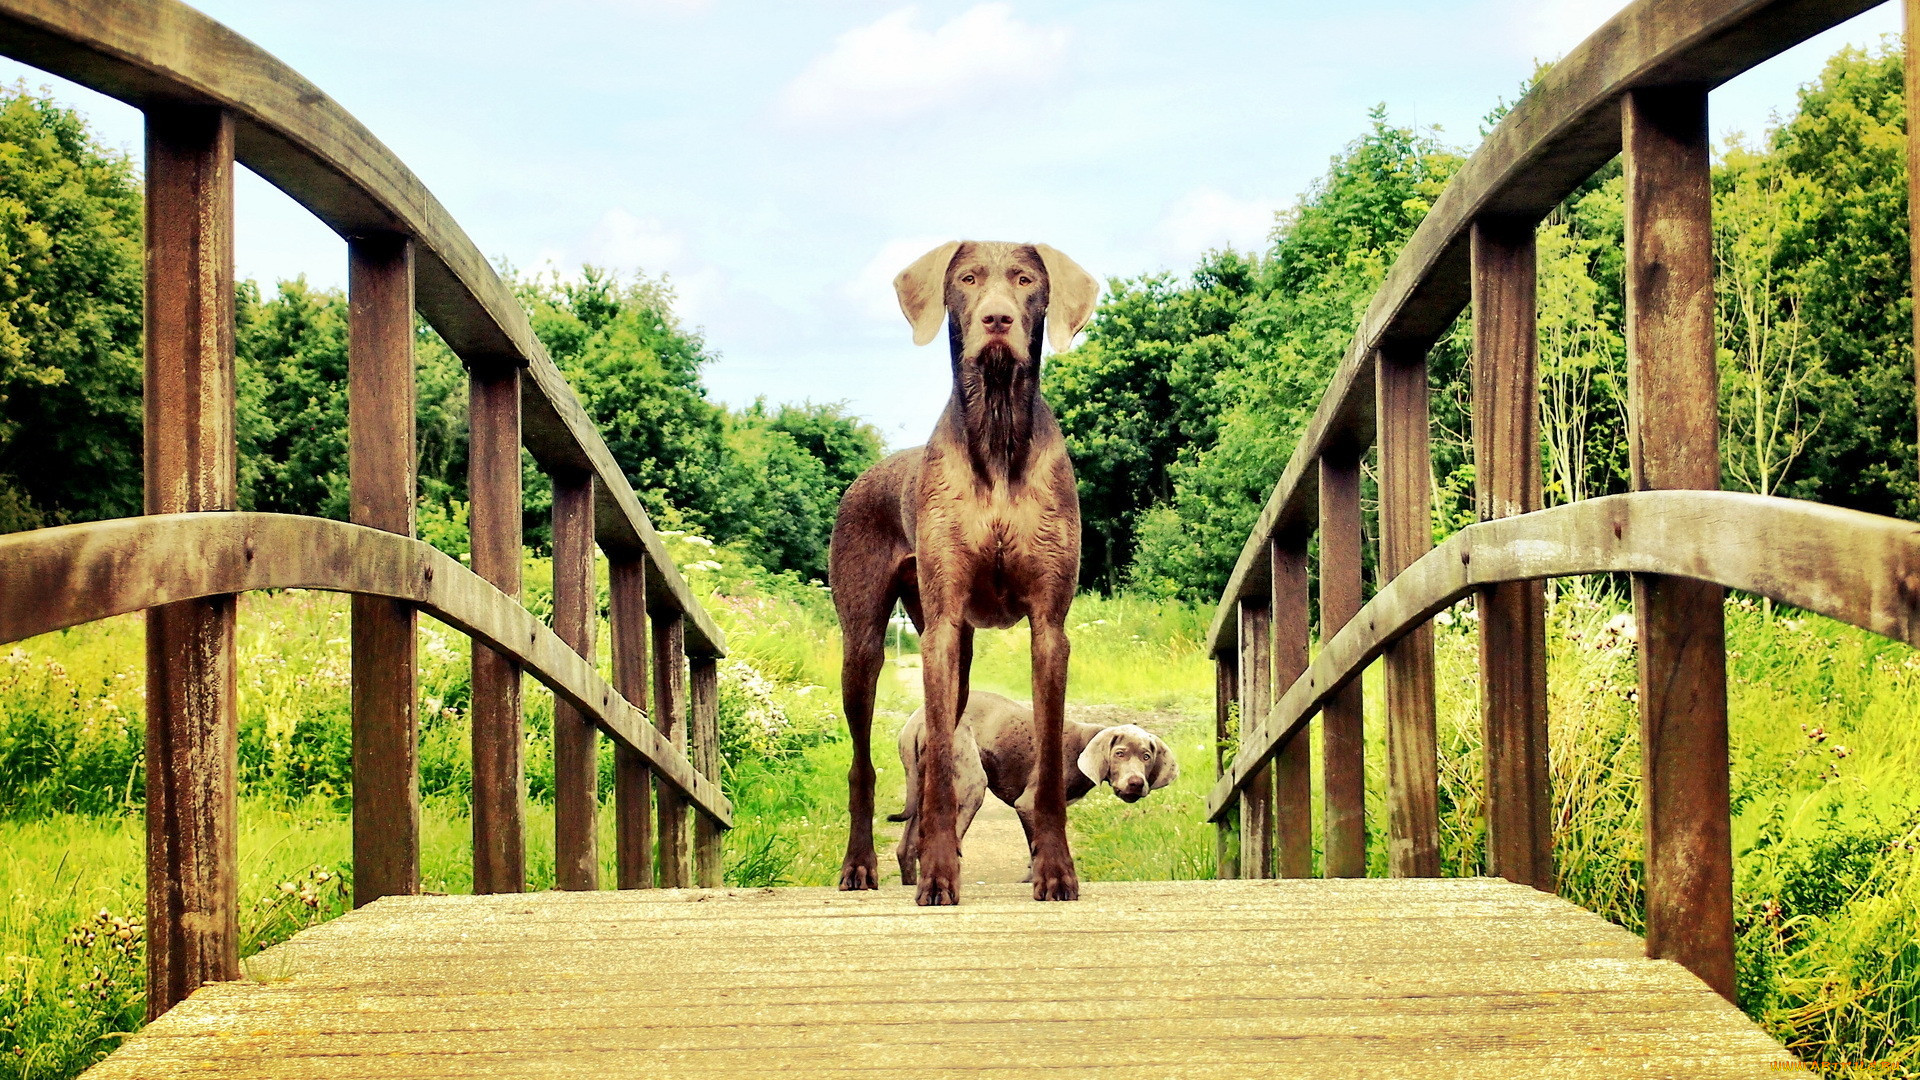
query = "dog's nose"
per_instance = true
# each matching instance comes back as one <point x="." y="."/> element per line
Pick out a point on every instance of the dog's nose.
<point x="997" y="323"/>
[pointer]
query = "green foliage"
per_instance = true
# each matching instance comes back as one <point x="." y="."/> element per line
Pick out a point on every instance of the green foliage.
<point x="70" y="319"/>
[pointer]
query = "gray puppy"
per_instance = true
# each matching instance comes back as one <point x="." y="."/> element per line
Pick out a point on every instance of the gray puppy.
<point x="995" y="749"/>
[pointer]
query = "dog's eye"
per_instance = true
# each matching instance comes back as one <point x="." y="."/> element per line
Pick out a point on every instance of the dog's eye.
<point x="966" y="279"/>
<point x="1025" y="280"/>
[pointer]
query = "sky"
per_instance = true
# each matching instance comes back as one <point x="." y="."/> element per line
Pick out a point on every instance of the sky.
<point x="779" y="162"/>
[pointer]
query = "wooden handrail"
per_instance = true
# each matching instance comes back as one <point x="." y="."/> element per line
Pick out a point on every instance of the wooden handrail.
<point x="1858" y="568"/>
<point x="51" y="579"/>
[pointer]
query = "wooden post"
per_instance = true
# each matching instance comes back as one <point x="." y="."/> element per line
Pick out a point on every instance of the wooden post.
<point x="632" y="783"/>
<point x="1342" y="724"/>
<point x="704" y="685"/>
<point x="1256" y="698"/>
<point x="192" y="727"/>
<point x="1673" y="431"/>
<point x="381" y="480"/>
<point x="1293" y="766"/>
<point x="1226" y="692"/>
<point x="1406" y="533"/>
<point x="576" y="749"/>
<point x="670" y="719"/>
<point x="1513" y="615"/>
<point x="493" y="483"/>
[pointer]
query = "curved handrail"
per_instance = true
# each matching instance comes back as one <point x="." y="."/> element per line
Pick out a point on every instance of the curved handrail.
<point x="54" y="578"/>
<point x="300" y="140"/>
<point x="1859" y="568"/>
<point x="1565" y="128"/>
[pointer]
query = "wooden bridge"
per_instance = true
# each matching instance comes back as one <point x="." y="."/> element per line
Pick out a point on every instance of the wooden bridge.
<point x="1409" y="976"/>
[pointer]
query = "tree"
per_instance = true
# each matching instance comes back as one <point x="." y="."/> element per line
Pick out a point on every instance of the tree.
<point x="70" y="319"/>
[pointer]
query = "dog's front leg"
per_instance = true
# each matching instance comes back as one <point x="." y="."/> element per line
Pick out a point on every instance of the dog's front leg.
<point x="1052" y="868"/>
<point x="936" y="827"/>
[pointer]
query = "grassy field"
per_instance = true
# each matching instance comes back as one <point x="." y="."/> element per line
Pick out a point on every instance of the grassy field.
<point x="1828" y="888"/>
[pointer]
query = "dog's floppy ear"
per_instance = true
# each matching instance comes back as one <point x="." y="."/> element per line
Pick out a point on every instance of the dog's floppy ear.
<point x="1097" y="757"/>
<point x="922" y="289"/>
<point x="1164" y="769"/>
<point x="1071" y="295"/>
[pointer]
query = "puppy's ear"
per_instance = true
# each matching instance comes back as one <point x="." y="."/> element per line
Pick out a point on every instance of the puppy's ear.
<point x="1071" y="295"/>
<point x="1164" y="770"/>
<point x="922" y="289"/>
<point x="1097" y="758"/>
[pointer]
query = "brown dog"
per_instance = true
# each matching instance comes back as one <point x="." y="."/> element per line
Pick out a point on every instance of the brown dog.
<point x="978" y="528"/>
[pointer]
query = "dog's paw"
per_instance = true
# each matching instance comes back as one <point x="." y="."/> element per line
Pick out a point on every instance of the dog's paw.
<point x="1054" y="878"/>
<point x="939" y="884"/>
<point x="857" y="873"/>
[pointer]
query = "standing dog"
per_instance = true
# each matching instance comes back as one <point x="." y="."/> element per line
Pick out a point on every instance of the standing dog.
<point x="978" y="528"/>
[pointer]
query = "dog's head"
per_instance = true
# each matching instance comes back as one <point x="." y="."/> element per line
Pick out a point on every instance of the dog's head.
<point x="1131" y="759"/>
<point x="996" y="299"/>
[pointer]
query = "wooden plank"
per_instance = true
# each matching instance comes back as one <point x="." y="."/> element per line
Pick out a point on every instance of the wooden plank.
<point x="576" y="749"/>
<point x="381" y="481"/>
<point x="632" y="784"/>
<point x="1850" y="566"/>
<point x="1342" y="722"/>
<point x="1293" y="766"/>
<point x="1513" y="615"/>
<point x="1226" y="694"/>
<point x="1406" y="534"/>
<point x="1457" y="978"/>
<point x="1554" y="138"/>
<point x="1256" y="694"/>
<point x="493" y="485"/>
<point x="670" y="720"/>
<point x="1674" y="442"/>
<point x="703" y="673"/>
<point x="190" y="455"/>
<point x="54" y="578"/>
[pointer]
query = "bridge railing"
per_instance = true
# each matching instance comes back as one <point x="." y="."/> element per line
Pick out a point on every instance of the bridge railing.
<point x="212" y="99"/>
<point x="1638" y="87"/>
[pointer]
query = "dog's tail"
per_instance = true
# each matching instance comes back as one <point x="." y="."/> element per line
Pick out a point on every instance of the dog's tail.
<point x="901" y="816"/>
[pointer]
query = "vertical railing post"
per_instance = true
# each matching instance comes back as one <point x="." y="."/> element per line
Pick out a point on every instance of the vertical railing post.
<point x="1342" y="723"/>
<point x="1256" y="698"/>
<point x="632" y="782"/>
<point x="1406" y="533"/>
<point x="704" y="688"/>
<point x="381" y="480"/>
<point x="576" y="742"/>
<point x="493" y="482"/>
<point x="1513" y="615"/>
<point x="1673" y="432"/>
<point x="1293" y="766"/>
<point x="1226" y="693"/>
<point x="670" y="719"/>
<point x="192" y="736"/>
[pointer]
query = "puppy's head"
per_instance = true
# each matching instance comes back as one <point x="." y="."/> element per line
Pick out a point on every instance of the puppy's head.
<point x="996" y="298"/>
<point x="1129" y="758"/>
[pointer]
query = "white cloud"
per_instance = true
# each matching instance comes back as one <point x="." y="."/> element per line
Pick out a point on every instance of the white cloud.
<point x="1550" y="31"/>
<point x="870" y="290"/>
<point x="1209" y="218"/>
<point x="894" y="69"/>
<point x="635" y="243"/>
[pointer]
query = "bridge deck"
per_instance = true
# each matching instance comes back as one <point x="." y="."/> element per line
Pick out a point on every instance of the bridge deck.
<point x="1327" y="979"/>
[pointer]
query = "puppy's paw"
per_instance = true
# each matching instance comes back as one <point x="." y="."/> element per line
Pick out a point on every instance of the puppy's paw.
<point x="1054" y="877"/>
<point x="859" y="872"/>
<point x="939" y="878"/>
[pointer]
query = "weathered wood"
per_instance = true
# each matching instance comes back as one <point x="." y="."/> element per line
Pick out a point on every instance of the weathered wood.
<point x="493" y="484"/>
<point x="1342" y="722"/>
<point x="1256" y="695"/>
<point x="1566" y="127"/>
<point x="301" y="141"/>
<point x="1673" y="436"/>
<point x="576" y="743"/>
<point x="1293" y="766"/>
<point x="1858" y="568"/>
<point x="1406" y="534"/>
<point x="1513" y="615"/>
<point x="381" y="483"/>
<point x="1226" y="695"/>
<point x="190" y="455"/>
<point x="632" y="784"/>
<point x="1459" y="978"/>
<point x="670" y="720"/>
<point x="703" y="679"/>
